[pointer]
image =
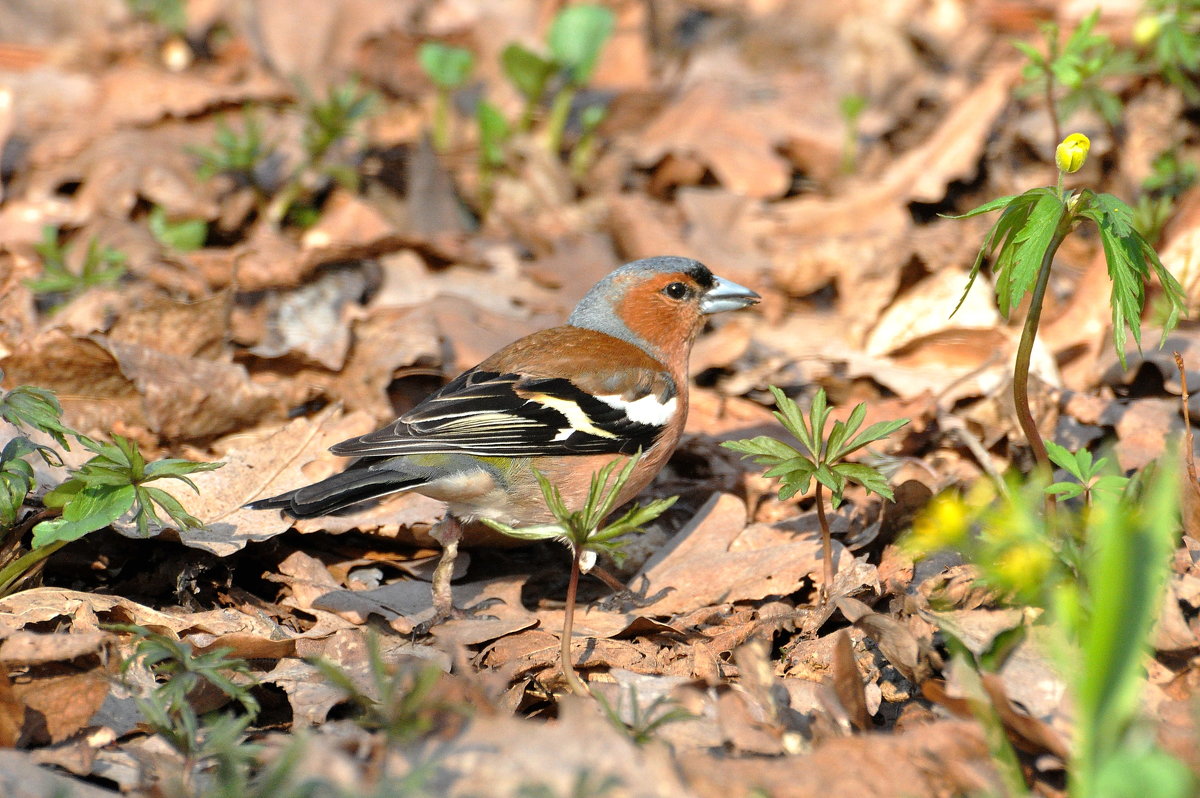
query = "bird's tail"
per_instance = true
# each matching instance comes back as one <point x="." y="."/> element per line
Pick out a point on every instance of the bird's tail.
<point x="337" y="492"/>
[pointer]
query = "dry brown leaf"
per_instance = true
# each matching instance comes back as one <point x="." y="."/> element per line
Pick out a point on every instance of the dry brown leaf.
<point x="705" y="562"/>
<point x="59" y="706"/>
<point x="266" y="467"/>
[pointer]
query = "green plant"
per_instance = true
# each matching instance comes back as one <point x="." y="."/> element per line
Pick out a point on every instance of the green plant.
<point x="643" y="723"/>
<point x="398" y="699"/>
<point x="1072" y="74"/>
<point x="823" y="458"/>
<point x="181" y="673"/>
<point x="1024" y="240"/>
<point x="239" y="155"/>
<point x="1168" y="29"/>
<point x="585" y="535"/>
<point x="851" y="107"/>
<point x="1099" y="575"/>
<point x="182" y="235"/>
<point x="100" y="266"/>
<point x="1169" y="179"/>
<point x="170" y="15"/>
<point x="576" y="38"/>
<point x="107" y="486"/>
<point x="328" y="123"/>
<point x="1094" y="477"/>
<point x="449" y="68"/>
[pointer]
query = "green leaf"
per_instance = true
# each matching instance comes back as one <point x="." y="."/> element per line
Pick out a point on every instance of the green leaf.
<point x="837" y="435"/>
<point x="1065" y="459"/>
<point x="183" y="235"/>
<point x="1021" y="256"/>
<point x="448" y="67"/>
<point x="877" y="431"/>
<point x="526" y="70"/>
<point x="870" y="478"/>
<point x="493" y="135"/>
<point x="789" y="415"/>
<point x="1065" y="490"/>
<point x="36" y="408"/>
<point x="765" y="449"/>
<point x="798" y="463"/>
<point x="95" y="507"/>
<point x="577" y="35"/>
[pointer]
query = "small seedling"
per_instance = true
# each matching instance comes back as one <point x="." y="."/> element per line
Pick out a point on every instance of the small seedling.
<point x="585" y="535"/>
<point x="217" y="737"/>
<point x="399" y="699"/>
<point x="1094" y="478"/>
<point x="643" y="724"/>
<point x="1169" y="179"/>
<point x="182" y="235"/>
<point x="107" y="486"/>
<point x="1023" y="242"/>
<point x="529" y="73"/>
<point x="824" y="461"/>
<point x="170" y="15"/>
<point x="1169" y="29"/>
<point x="1080" y="66"/>
<point x="577" y="36"/>
<point x="449" y="68"/>
<point x="101" y="266"/>
<point x="236" y="154"/>
<point x="852" y="107"/>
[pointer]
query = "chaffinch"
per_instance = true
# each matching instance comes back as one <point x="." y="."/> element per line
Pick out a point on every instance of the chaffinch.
<point x="609" y="383"/>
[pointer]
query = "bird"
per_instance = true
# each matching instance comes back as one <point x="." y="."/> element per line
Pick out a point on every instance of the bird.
<point x="612" y="382"/>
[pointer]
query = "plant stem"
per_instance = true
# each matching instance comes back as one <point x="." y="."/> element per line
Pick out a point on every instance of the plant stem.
<point x="568" y="666"/>
<point x="441" y="121"/>
<point x="1025" y="350"/>
<point x="20" y="566"/>
<point x="1051" y="108"/>
<point x="557" y="122"/>
<point x="826" y="546"/>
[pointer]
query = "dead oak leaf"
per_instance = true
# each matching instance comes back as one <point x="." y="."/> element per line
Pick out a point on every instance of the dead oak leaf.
<point x="264" y="468"/>
<point x="710" y="562"/>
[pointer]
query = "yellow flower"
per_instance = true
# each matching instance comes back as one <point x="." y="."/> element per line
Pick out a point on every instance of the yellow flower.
<point x="942" y="525"/>
<point x="1072" y="152"/>
<point x="1023" y="565"/>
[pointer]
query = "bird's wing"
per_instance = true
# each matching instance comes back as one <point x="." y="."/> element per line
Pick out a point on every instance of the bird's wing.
<point x="493" y="414"/>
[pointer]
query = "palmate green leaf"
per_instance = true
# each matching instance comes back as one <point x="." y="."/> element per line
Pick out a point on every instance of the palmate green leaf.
<point x="1065" y="490"/>
<point x="789" y="415"/>
<point x="35" y="408"/>
<point x="95" y="507"/>
<point x="1069" y="461"/>
<point x="877" y="431"/>
<point x="764" y="449"/>
<point x="837" y="435"/>
<point x="798" y="463"/>
<point x="1016" y="209"/>
<point x="796" y="481"/>
<point x="1021" y="256"/>
<point x="831" y="479"/>
<point x="1129" y="258"/>
<point x="870" y="478"/>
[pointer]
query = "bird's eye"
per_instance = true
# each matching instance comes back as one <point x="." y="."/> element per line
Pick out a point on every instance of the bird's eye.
<point x="676" y="290"/>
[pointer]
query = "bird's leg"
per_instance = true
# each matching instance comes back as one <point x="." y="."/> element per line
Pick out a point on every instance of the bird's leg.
<point x="448" y="532"/>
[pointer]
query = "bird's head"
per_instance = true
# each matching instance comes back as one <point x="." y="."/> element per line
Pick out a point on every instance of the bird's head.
<point x="659" y="304"/>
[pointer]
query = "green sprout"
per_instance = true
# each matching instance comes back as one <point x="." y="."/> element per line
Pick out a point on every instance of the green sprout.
<point x="181" y="235"/>
<point x="529" y="73"/>
<point x="101" y="266"/>
<point x="238" y="154"/>
<point x="107" y="486"/>
<point x="1093" y="477"/>
<point x="823" y="458"/>
<point x="585" y="535"/>
<point x="449" y="68"/>
<point x="1024" y="240"/>
<point x="852" y="107"/>
<point x="1169" y="178"/>
<point x="1170" y="32"/>
<point x="1072" y="74"/>
<point x="577" y="36"/>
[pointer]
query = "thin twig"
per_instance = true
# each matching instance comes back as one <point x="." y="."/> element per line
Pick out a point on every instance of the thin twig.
<point x="1189" y="459"/>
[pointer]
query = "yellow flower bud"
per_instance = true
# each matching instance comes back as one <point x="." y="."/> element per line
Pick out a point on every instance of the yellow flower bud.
<point x="1022" y="566"/>
<point x="1071" y="154"/>
<point x="1146" y="29"/>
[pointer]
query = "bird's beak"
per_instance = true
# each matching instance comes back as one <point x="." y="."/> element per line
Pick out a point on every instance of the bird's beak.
<point x="726" y="295"/>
